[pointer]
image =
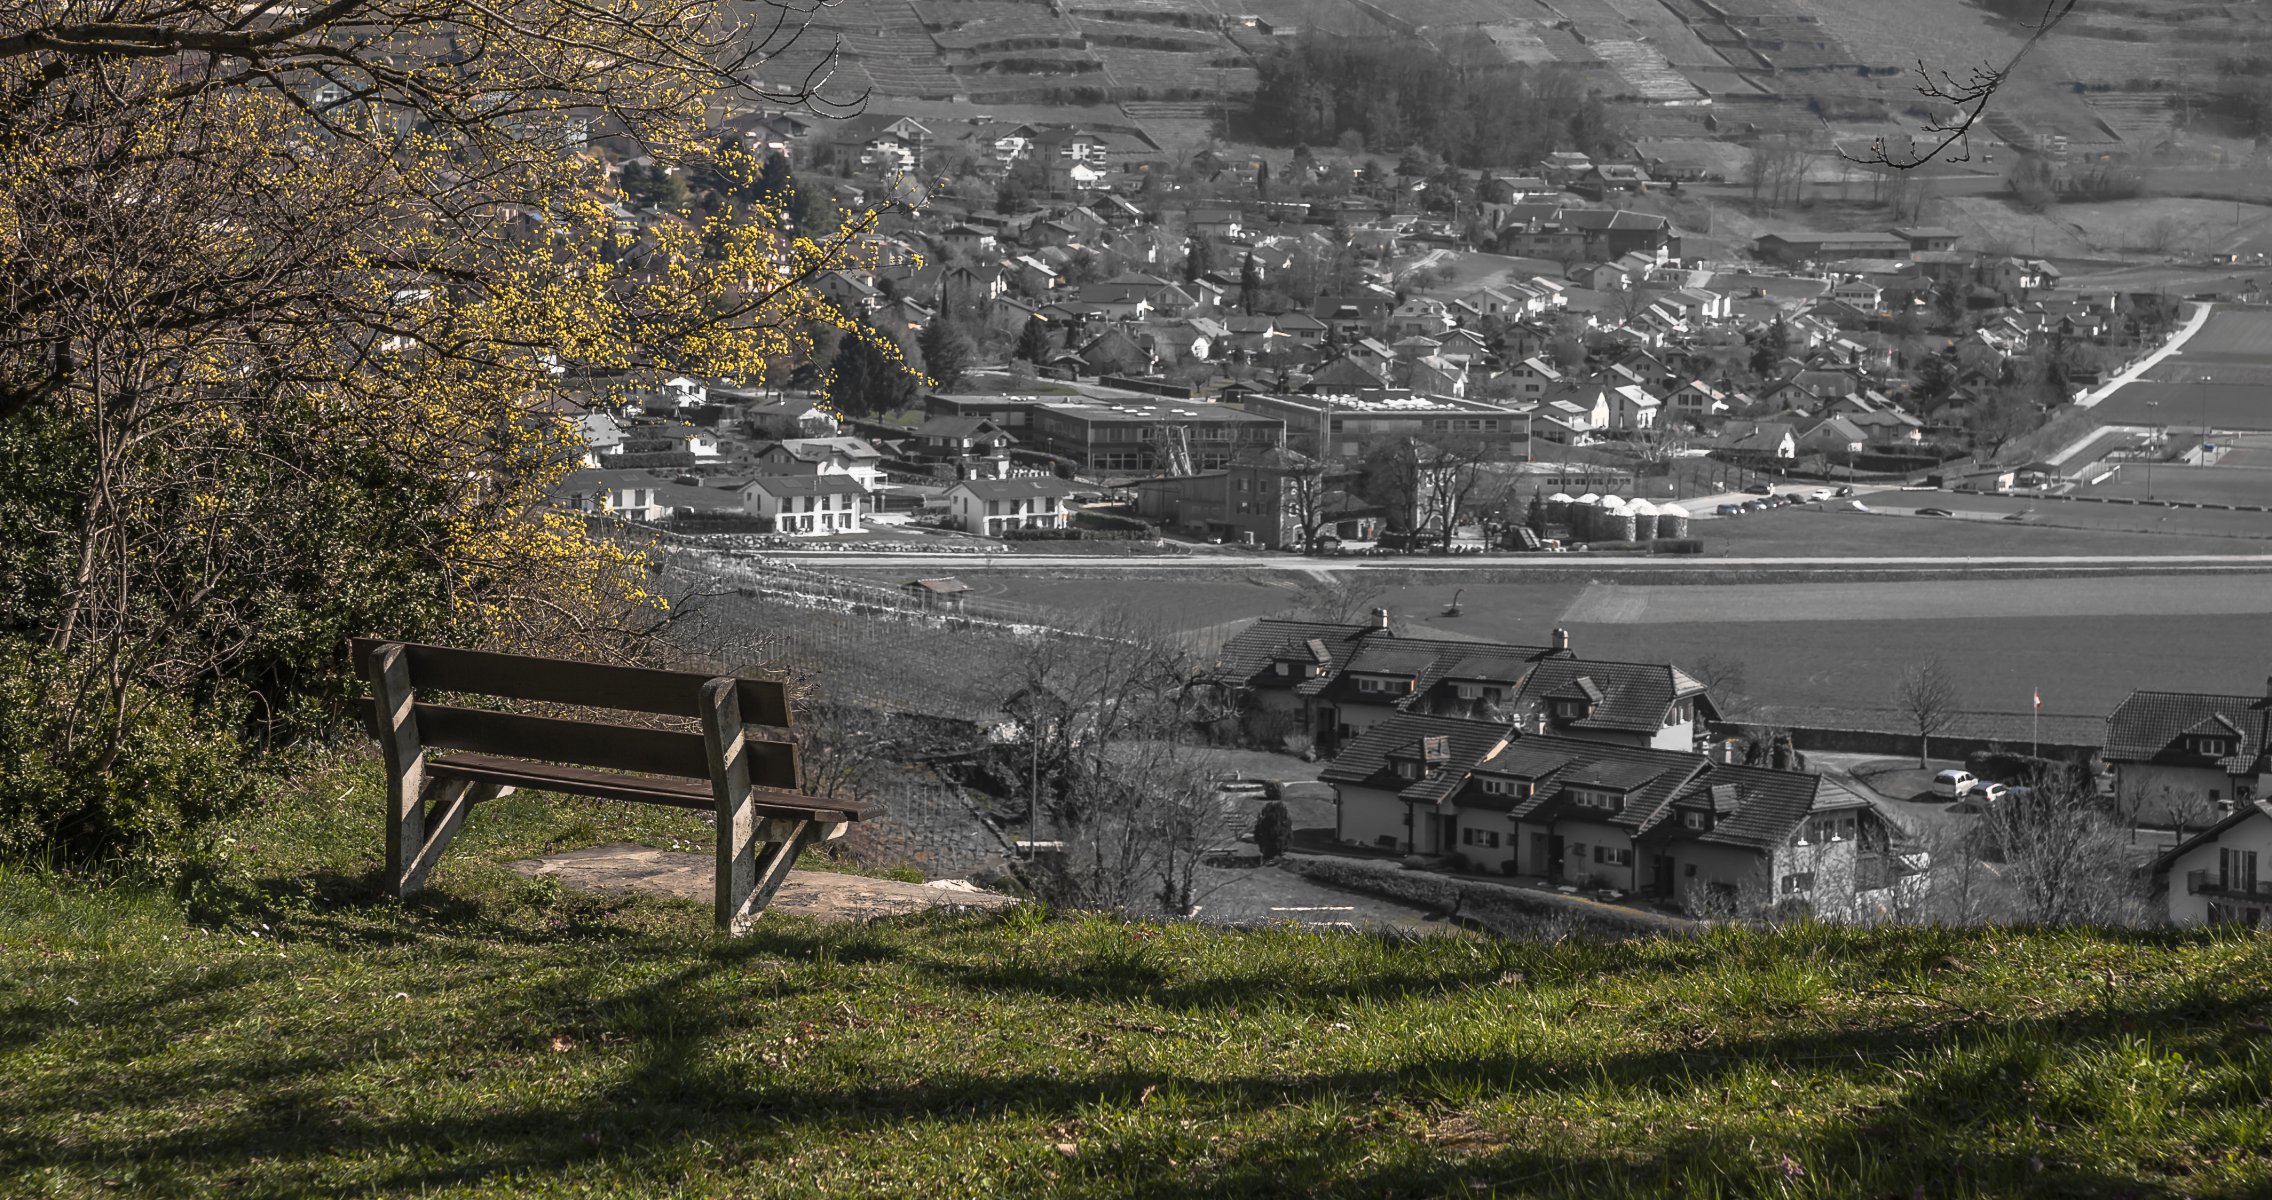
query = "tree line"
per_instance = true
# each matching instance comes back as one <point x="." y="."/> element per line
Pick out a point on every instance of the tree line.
<point x="1392" y="94"/>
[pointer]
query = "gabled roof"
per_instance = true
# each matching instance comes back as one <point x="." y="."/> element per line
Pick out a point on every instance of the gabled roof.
<point x="2148" y="724"/>
<point x="2261" y="807"/>
<point x="780" y="486"/>
<point x="1254" y="650"/>
<point x="1015" y="489"/>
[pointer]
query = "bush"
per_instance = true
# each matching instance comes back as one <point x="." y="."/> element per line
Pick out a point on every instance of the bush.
<point x="2000" y="767"/>
<point x="67" y="794"/>
<point x="1090" y="518"/>
<point x="1076" y="535"/>
<point x="1273" y="830"/>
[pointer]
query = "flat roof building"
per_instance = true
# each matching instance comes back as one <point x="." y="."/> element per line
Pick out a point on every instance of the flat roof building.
<point x="1338" y="425"/>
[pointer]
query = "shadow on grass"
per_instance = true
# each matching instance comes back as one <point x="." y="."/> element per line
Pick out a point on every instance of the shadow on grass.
<point x="1972" y="1085"/>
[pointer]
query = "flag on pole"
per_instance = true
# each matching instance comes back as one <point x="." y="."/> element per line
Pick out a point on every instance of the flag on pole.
<point x="2039" y="699"/>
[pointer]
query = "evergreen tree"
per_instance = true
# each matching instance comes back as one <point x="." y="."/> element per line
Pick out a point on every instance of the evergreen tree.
<point x="1779" y="336"/>
<point x="1033" y="342"/>
<point x="1262" y="181"/>
<point x="775" y="182"/>
<point x="1198" y="258"/>
<point x="1250" y="283"/>
<point x="947" y="351"/>
<point x="864" y="382"/>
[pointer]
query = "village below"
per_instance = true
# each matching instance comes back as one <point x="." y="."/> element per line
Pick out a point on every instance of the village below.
<point x="1136" y="598"/>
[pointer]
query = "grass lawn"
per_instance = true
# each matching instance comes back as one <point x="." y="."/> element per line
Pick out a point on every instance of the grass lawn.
<point x="500" y="1037"/>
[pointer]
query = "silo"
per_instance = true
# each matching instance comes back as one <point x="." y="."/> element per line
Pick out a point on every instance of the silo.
<point x="1644" y="516"/>
<point x="1672" y="521"/>
<point x="1616" y="525"/>
<point x="1584" y="511"/>
<point x="1558" y="509"/>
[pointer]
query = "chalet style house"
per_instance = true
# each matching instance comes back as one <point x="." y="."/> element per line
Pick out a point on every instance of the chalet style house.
<point x="2222" y="875"/>
<point x="1670" y="825"/>
<point x="2164" y="745"/>
<point x="1334" y="682"/>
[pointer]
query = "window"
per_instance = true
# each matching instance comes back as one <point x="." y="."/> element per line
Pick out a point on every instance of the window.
<point x="1408" y="770"/>
<point x="1486" y="838"/>
<point x="1597" y="798"/>
<point x="1696" y="820"/>
<point x="1506" y="787"/>
<point x="1470" y="691"/>
<point x="1801" y="882"/>
<point x="2236" y="870"/>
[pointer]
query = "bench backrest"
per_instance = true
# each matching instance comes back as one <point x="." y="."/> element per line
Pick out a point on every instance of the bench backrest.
<point x="773" y="763"/>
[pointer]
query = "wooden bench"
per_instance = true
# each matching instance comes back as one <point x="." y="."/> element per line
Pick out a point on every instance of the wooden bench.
<point x="749" y="780"/>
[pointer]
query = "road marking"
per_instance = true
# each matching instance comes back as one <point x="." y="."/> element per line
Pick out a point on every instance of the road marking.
<point x="1317" y="908"/>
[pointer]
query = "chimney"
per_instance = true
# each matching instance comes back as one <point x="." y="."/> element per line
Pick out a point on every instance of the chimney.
<point x="1380" y="618"/>
<point x="1561" y="641"/>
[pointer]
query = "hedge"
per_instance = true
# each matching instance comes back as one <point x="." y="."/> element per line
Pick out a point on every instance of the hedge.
<point x="1077" y="535"/>
<point x="1655" y="546"/>
<point x="1090" y="518"/>
<point x="2004" y="767"/>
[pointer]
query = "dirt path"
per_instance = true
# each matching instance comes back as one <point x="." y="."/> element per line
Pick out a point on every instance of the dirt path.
<point x="825" y="896"/>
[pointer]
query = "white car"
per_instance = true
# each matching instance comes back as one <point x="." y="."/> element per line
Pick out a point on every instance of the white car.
<point x="1818" y="495"/>
<point x="1988" y="793"/>
<point x="1953" y="784"/>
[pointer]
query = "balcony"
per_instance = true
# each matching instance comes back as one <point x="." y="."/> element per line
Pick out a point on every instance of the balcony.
<point x="2211" y="883"/>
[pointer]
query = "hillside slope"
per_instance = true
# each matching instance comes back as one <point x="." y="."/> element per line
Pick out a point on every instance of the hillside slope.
<point x="501" y="1037"/>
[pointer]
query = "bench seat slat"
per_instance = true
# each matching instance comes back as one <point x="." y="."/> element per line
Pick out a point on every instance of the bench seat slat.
<point x="590" y="743"/>
<point x="557" y="681"/>
<point x="673" y="793"/>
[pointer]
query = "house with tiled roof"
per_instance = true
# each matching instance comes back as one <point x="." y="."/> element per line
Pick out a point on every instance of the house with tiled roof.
<point x="992" y="507"/>
<point x="1670" y="825"/>
<point x="1371" y="675"/>
<point x="2223" y="874"/>
<point x="807" y="504"/>
<point x="2187" y="745"/>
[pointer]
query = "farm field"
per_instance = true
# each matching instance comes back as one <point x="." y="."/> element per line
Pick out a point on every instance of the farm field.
<point x="2229" y="482"/>
<point x="1803" y="532"/>
<point x="2223" y="376"/>
<point x="2170" y="483"/>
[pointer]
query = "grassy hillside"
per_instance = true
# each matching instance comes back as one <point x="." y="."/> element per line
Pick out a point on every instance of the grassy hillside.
<point x="298" y="1037"/>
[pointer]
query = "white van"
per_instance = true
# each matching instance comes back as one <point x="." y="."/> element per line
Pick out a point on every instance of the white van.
<point x="1953" y="784"/>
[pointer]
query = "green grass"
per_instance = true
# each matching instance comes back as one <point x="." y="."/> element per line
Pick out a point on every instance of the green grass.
<point x="502" y="1037"/>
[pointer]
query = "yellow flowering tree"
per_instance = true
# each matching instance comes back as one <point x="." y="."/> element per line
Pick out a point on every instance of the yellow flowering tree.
<point x="287" y="297"/>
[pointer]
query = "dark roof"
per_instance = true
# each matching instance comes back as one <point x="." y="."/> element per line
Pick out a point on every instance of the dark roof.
<point x="946" y="586"/>
<point x="1016" y="489"/>
<point x="2147" y="725"/>
<point x="1254" y="651"/>
<point x="2241" y="812"/>
<point x="1766" y="806"/>
<point x="807" y="485"/>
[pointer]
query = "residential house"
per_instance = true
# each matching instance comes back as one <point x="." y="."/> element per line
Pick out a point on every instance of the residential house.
<point x="628" y="494"/>
<point x="977" y="445"/>
<point x="1711" y="838"/>
<point x="992" y="507"/>
<point x="1262" y="499"/>
<point x="2223" y="874"/>
<point x="1762" y="442"/>
<point x="804" y="505"/>
<point x="850" y="456"/>
<point x="1632" y="406"/>
<point x="1698" y="402"/>
<point x="789" y="418"/>
<point x="1375" y="674"/>
<point x="2187" y="750"/>
<point x="1535" y="377"/>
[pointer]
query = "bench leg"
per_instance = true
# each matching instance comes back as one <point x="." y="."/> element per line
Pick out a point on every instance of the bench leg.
<point x="443" y="817"/>
<point x="768" y="864"/>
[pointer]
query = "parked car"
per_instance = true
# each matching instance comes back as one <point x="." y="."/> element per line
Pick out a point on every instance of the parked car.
<point x="1818" y="495"/>
<point x="1755" y="506"/>
<point x="1989" y="793"/>
<point x="1730" y="510"/>
<point x="1934" y="512"/>
<point x="1952" y="784"/>
<point x="1843" y="492"/>
<point x="1760" y="489"/>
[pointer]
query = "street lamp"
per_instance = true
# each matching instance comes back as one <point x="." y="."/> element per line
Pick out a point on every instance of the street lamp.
<point x="2204" y="381"/>
<point x="2151" y="450"/>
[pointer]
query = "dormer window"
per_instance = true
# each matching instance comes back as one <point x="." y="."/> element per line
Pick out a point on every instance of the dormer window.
<point x="1698" y="821"/>
<point x="2213" y="747"/>
<point x="1407" y="769"/>
<point x="1521" y="789"/>
<point x="1569" y="710"/>
<point x="1599" y="798"/>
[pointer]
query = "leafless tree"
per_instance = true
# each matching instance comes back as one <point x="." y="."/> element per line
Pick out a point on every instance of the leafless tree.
<point x="1776" y="168"/>
<point x="1342" y="598"/>
<point x="1723" y="680"/>
<point x="1108" y="715"/>
<point x="1962" y="99"/>
<point x="2064" y="860"/>
<point x="1927" y="696"/>
<point x="1454" y="484"/>
<point x="1308" y="488"/>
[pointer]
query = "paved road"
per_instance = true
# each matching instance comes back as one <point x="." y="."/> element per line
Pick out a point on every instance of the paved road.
<point x="1205" y="563"/>
<point x="1256" y="895"/>
<point x="2178" y="339"/>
